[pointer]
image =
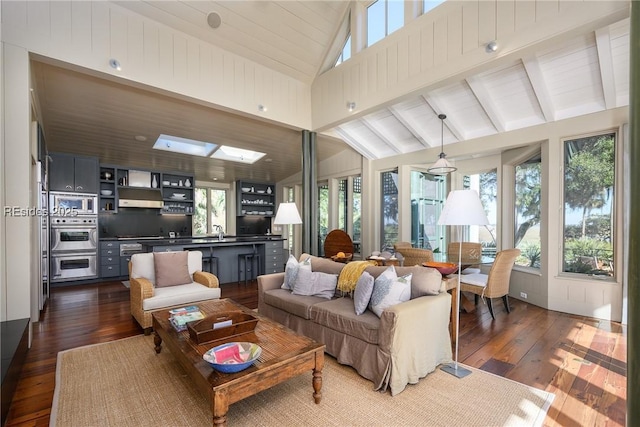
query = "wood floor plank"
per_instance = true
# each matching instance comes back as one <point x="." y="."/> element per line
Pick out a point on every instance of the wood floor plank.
<point x="531" y="345"/>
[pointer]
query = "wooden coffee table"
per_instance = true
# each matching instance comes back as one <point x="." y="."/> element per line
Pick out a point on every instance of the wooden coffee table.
<point x="285" y="354"/>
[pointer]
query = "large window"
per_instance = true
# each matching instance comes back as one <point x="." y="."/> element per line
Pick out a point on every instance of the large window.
<point x="323" y="216"/>
<point x="527" y="215"/>
<point x="428" y="193"/>
<point x="389" y="208"/>
<point x="486" y="184"/>
<point x="427" y="5"/>
<point x="589" y="184"/>
<point x="346" y="52"/>
<point x="357" y="212"/>
<point x="383" y="18"/>
<point x="211" y="210"/>
<point x="342" y="205"/>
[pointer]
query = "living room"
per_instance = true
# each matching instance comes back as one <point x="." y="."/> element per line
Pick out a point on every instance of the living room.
<point x="543" y="287"/>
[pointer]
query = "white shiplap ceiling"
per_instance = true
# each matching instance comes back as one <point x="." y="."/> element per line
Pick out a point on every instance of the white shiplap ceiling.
<point x="586" y="74"/>
<point x="582" y="75"/>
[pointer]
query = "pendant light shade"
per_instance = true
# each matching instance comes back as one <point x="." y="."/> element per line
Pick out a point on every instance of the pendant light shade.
<point x="442" y="165"/>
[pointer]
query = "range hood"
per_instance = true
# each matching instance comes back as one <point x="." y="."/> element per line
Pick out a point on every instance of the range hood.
<point x="140" y="197"/>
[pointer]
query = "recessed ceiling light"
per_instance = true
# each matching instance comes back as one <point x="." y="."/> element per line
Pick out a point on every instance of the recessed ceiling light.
<point x="262" y="108"/>
<point x="268" y="160"/>
<point x="140" y="138"/>
<point x="214" y="20"/>
<point x="115" y="64"/>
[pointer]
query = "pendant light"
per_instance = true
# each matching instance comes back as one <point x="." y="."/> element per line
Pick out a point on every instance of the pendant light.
<point x="442" y="165"/>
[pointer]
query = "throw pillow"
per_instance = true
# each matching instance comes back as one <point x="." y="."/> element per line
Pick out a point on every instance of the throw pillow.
<point x="291" y="271"/>
<point x="362" y="294"/>
<point x="171" y="268"/>
<point x="315" y="283"/>
<point x="389" y="290"/>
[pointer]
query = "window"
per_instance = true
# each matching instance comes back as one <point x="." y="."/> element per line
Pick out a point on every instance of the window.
<point x="527" y="215"/>
<point x="357" y="213"/>
<point x="428" y="193"/>
<point x="428" y="5"/>
<point x="342" y="205"/>
<point x="211" y="210"/>
<point x="346" y="52"/>
<point x="486" y="184"/>
<point x="589" y="184"/>
<point x="323" y="216"/>
<point x="383" y="18"/>
<point x="389" y="208"/>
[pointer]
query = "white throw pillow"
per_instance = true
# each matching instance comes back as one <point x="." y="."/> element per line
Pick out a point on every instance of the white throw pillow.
<point x="315" y="283"/>
<point x="389" y="290"/>
<point x="291" y="271"/>
<point x="362" y="294"/>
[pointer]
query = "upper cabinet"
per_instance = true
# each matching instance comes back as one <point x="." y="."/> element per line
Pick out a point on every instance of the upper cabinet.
<point x="177" y="193"/>
<point x="255" y="198"/>
<point x="73" y="173"/>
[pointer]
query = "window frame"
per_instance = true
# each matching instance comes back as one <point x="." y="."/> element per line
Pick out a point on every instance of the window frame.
<point x="208" y="187"/>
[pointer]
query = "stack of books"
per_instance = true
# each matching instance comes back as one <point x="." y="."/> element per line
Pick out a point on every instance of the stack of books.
<point x="183" y="315"/>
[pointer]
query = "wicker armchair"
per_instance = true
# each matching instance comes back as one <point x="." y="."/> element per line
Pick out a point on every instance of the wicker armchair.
<point x="471" y="251"/>
<point x="147" y="298"/>
<point x="415" y="256"/>
<point x="496" y="283"/>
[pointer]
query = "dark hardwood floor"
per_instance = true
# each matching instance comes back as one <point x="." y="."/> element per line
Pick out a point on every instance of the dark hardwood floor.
<point x="581" y="360"/>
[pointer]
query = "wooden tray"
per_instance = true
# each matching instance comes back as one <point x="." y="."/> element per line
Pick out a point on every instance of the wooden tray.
<point x="202" y="331"/>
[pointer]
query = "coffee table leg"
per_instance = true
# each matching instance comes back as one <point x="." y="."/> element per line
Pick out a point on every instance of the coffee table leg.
<point x="158" y="342"/>
<point x="317" y="377"/>
<point x="220" y="408"/>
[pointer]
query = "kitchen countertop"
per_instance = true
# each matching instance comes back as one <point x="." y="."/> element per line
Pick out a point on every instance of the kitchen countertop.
<point x="194" y="239"/>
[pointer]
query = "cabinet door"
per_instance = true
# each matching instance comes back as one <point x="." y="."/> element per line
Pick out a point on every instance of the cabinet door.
<point x="86" y="175"/>
<point x="61" y="173"/>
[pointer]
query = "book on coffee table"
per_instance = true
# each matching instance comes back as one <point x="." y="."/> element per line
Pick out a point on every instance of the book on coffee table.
<point x="180" y="320"/>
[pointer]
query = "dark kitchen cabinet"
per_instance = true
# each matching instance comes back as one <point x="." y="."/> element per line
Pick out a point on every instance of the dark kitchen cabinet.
<point x="73" y="173"/>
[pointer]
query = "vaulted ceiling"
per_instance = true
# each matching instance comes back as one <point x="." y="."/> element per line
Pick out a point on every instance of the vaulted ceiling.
<point x="582" y="75"/>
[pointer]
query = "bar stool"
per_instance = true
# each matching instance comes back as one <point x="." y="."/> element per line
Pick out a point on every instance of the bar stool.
<point x="213" y="265"/>
<point x="246" y="264"/>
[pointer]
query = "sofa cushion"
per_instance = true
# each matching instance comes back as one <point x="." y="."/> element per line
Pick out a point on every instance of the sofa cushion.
<point x="362" y="294"/>
<point x="338" y="314"/>
<point x="171" y="268"/>
<point x="295" y="304"/>
<point x="291" y="270"/>
<point x="179" y="295"/>
<point x="424" y="280"/>
<point x="315" y="283"/>
<point x="389" y="290"/>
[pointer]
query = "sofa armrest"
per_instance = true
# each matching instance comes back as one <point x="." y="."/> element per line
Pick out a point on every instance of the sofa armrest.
<point x="267" y="282"/>
<point x="416" y="336"/>
<point x="207" y="279"/>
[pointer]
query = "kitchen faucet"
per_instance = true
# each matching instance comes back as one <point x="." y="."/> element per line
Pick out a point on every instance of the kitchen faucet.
<point x="220" y="232"/>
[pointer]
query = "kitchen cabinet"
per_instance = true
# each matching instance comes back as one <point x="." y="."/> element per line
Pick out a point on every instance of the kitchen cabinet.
<point x="110" y="259"/>
<point x="274" y="257"/>
<point x="255" y="198"/>
<point x="107" y="189"/>
<point x="177" y="193"/>
<point x="73" y="173"/>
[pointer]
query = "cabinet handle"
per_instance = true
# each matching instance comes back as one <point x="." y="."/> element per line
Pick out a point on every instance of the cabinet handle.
<point x="69" y="187"/>
<point x="79" y="187"/>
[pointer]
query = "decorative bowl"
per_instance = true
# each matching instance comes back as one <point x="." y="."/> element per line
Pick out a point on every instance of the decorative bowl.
<point x="232" y="357"/>
<point x="246" y="189"/>
<point x="166" y="183"/>
<point x="339" y="258"/>
<point x="443" y="267"/>
<point x="106" y="192"/>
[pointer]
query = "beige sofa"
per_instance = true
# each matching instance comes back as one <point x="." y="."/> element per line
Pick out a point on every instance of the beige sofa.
<point x="405" y="344"/>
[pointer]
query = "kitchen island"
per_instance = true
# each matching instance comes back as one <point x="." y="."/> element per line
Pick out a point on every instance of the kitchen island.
<point x="220" y="257"/>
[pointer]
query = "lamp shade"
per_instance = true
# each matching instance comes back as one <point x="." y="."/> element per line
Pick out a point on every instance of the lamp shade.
<point x="463" y="207"/>
<point x="287" y="214"/>
<point x="441" y="166"/>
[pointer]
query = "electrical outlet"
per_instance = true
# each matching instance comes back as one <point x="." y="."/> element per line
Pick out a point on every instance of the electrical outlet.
<point x="523" y="295"/>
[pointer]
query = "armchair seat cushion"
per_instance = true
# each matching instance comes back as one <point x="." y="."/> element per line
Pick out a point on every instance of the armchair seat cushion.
<point x="178" y="295"/>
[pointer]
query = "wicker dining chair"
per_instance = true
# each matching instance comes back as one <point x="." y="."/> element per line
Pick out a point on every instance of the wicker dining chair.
<point x="471" y="251"/>
<point x="496" y="283"/>
<point x="415" y="256"/>
<point x="398" y="245"/>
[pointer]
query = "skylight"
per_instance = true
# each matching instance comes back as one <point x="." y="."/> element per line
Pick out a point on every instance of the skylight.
<point x="237" y="154"/>
<point x="184" y="146"/>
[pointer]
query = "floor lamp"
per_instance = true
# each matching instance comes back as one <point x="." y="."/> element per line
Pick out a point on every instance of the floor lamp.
<point x="462" y="207"/>
<point x="287" y="214"/>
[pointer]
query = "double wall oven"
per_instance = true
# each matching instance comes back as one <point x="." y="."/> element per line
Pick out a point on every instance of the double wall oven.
<point x="74" y="236"/>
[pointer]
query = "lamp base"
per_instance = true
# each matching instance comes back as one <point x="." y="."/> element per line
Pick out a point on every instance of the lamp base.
<point x="456" y="370"/>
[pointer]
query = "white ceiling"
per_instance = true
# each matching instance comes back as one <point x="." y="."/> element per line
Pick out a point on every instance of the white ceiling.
<point x="89" y="115"/>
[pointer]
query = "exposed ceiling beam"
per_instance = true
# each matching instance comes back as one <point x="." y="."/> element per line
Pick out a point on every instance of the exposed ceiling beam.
<point x="376" y="129"/>
<point x="451" y="123"/>
<point x="532" y="67"/>
<point x="605" y="60"/>
<point x="400" y="116"/>
<point x="353" y="142"/>
<point x="486" y="102"/>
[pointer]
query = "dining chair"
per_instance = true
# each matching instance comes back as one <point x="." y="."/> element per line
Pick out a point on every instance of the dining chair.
<point x="415" y="256"/>
<point x="398" y="245"/>
<point x="471" y="251"/>
<point x="496" y="283"/>
<point x="337" y="241"/>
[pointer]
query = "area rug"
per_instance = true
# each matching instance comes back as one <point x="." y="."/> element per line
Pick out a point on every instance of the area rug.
<point x="126" y="284"/>
<point x="124" y="383"/>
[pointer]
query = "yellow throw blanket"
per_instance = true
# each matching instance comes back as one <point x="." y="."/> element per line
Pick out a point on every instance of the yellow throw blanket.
<point x="351" y="273"/>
